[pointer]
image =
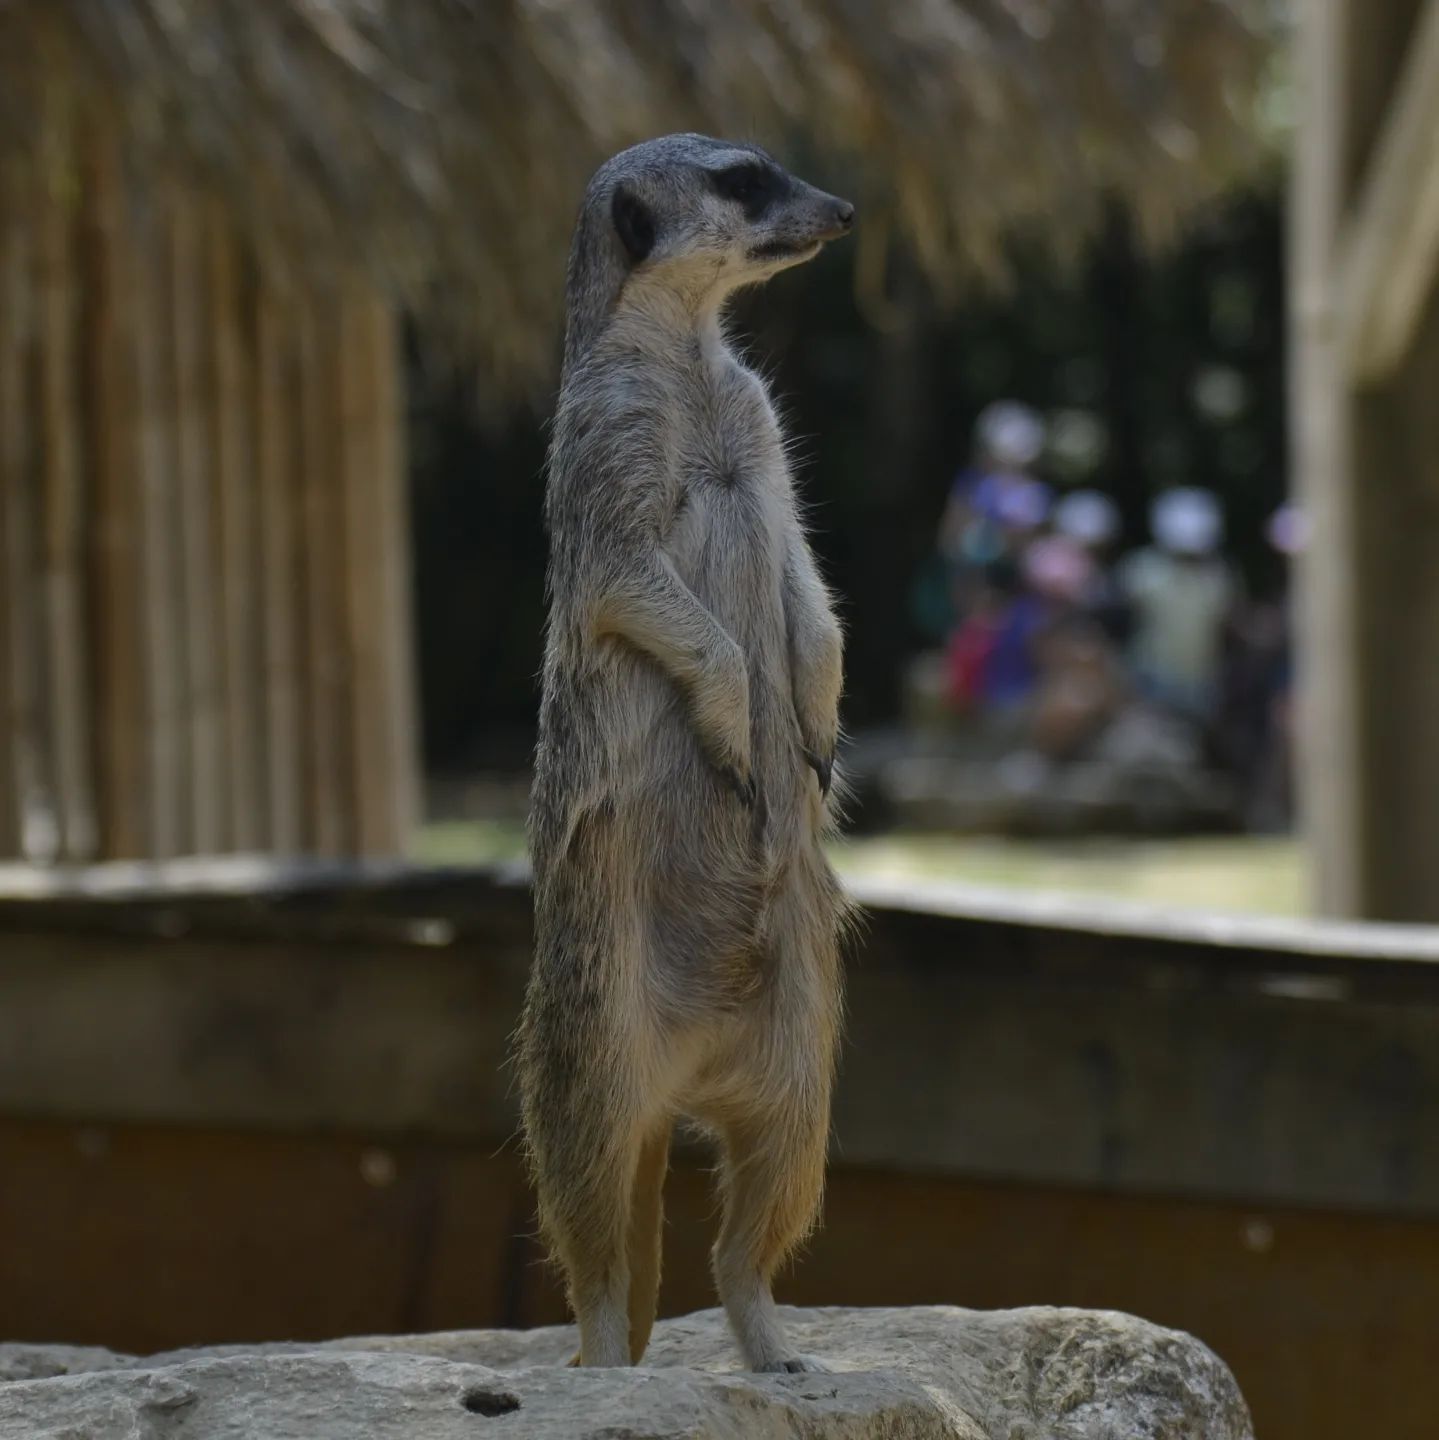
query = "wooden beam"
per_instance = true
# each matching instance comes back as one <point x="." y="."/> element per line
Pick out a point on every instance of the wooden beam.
<point x="1389" y="250"/>
<point x="1280" y="1061"/>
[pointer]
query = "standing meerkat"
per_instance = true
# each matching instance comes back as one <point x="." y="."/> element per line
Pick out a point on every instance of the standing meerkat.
<point x="687" y="922"/>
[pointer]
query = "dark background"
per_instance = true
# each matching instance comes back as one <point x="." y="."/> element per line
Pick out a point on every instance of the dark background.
<point x="882" y="422"/>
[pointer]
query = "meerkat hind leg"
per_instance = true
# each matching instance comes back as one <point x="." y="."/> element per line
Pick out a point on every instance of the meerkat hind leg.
<point x="645" y="1241"/>
<point x="772" y="1179"/>
<point x="646" y="1236"/>
<point x="598" y="1275"/>
<point x="584" y="1173"/>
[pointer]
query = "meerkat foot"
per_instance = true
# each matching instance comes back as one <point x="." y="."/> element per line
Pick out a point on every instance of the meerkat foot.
<point x="797" y="1365"/>
<point x="604" y="1332"/>
<point x="761" y="1335"/>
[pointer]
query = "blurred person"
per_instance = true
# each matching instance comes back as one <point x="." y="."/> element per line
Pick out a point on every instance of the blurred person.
<point x="1255" y="731"/>
<point x="971" y="643"/>
<point x="992" y="651"/>
<point x="1079" y="684"/>
<point x="996" y="501"/>
<point x="1059" y="570"/>
<point x="1081" y="688"/>
<point x="992" y="505"/>
<point x="1181" y="592"/>
<point x="1091" y="519"/>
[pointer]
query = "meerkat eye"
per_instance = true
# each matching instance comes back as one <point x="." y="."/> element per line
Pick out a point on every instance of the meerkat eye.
<point x="752" y="186"/>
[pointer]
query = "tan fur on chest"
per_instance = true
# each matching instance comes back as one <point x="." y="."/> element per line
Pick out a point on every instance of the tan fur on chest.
<point x="733" y="486"/>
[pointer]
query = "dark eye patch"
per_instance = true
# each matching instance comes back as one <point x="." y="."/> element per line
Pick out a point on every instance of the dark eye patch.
<point x="752" y="185"/>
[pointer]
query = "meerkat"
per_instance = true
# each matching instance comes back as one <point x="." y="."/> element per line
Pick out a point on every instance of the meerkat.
<point x="688" y="924"/>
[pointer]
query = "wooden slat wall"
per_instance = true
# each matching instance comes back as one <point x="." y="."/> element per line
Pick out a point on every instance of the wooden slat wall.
<point x="112" y="398"/>
<point x="24" y="751"/>
<point x="277" y="438"/>
<point x="233" y="448"/>
<point x="205" y="626"/>
<point x="66" y="643"/>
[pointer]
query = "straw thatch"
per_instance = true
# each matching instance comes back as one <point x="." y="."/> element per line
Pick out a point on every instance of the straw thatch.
<point x="442" y="144"/>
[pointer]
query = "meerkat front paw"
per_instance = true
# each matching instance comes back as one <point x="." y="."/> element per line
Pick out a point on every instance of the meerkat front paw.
<point x="743" y="786"/>
<point x="823" y="767"/>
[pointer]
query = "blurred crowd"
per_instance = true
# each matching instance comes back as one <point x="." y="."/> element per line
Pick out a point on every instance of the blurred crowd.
<point x="1064" y="646"/>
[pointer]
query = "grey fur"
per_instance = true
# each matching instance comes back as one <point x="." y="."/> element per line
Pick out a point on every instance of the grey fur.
<point x="687" y="921"/>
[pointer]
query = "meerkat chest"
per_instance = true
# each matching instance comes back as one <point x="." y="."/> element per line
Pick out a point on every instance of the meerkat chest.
<point x="733" y="468"/>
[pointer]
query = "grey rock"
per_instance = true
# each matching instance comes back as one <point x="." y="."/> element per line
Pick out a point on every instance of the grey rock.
<point x="936" y="1373"/>
<point x="41" y="1362"/>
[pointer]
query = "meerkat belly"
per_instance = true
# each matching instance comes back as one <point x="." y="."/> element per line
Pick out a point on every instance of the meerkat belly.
<point x="731" y="554"/>
<point x="731" y="557"/>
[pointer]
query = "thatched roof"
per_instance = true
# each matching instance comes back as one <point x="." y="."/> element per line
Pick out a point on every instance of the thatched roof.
<point x="444" y="144"/>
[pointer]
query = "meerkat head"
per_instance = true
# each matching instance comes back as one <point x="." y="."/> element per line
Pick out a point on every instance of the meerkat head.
<point x="706" y="212"/>
<point x="703" y="217"/>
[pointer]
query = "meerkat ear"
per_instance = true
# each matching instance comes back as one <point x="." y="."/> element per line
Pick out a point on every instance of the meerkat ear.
<point x="634" y="223"/>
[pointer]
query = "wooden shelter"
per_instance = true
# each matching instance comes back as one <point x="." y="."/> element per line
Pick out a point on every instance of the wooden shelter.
<point x="211" y="215"/>
<point x="1365" y="258"/>
<point x="203" y="535"/>
<point x="205" y="595"/>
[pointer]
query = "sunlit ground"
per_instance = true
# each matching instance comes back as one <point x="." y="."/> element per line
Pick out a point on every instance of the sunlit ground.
<point x="1230" y="873"/>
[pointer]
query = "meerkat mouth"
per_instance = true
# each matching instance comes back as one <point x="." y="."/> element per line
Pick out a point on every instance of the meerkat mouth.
<point x="783" y="249"/>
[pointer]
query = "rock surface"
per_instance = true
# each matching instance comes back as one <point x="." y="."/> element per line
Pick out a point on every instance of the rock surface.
<point x="913" y="1374"/>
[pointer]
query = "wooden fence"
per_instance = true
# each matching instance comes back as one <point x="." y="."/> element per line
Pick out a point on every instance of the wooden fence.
<point x="204" y="595"/>
<point x="244" y="1100"/>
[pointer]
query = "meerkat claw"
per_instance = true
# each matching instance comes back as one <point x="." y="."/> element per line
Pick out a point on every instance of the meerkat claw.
<point x="743" y="786"/>
<point x="824" y="771"/>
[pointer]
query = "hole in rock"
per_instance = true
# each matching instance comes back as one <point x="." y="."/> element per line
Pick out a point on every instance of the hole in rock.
<point x="490" y="1402"/>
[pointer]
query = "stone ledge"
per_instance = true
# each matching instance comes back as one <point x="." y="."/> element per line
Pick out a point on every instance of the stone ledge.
<point x="935" y="1373"/>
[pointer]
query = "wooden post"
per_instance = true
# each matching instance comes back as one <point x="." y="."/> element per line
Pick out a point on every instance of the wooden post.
<point x="395" y="582"/>
<point x="1367" y="459"/>
<point x="11" y="463"/>
<point x="277" y="436"/>
<point x="21" y="609"/>
<point x="65" y="512"/>
<point x="1389" y="252"/>
<point x="377" y="570"/>
<point x="164" y="623"/>
<point x="231" y="447"/>
<point x="329" y="734"/>
<point x="1393" y="482"/>
<point x="112" y="406"/>
<point x="195" y="479"/>
<point x="1329" y="740"/>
